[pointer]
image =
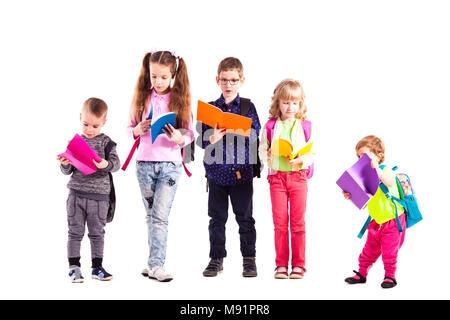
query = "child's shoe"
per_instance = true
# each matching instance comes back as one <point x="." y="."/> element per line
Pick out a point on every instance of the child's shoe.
<point x="297" y="273"/>
<point x="75" y="274"/>
<point x="388" y="283"/>
<point x="145" y="272"/>
<point x="358" y="278"/>
<point x="281" y="273"/>
<point x="215" y="266"/>
<point x="101" y="274"/>
<point x="157" y="273"/>
<point x="249" y="267"/>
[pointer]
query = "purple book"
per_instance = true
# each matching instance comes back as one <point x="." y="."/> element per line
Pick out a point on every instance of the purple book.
<point x="361" y="181"/>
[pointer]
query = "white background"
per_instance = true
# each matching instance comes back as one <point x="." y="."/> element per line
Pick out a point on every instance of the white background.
<point x="368" y="67"/>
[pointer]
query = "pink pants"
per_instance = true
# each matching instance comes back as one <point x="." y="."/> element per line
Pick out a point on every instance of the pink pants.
<point x="288" y="192"/>
<point x="384" y="240"/>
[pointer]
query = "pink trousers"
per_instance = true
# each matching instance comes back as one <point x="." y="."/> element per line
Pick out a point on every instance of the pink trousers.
<point x="384" y="240"/>
<point x="288" y="192"/>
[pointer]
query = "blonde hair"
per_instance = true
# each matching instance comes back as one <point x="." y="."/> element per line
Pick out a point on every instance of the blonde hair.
<point x="375" y="144"/>
<point x="290" y="90"/>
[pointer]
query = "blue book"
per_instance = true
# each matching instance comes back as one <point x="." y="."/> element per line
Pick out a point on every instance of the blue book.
<point x="160" y="122"/>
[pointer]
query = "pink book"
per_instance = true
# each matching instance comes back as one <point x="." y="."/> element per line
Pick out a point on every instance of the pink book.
<point x="80" y="155"/>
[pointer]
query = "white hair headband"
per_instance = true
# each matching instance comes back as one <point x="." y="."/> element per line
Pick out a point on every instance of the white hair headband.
<point x="172" y="52"/>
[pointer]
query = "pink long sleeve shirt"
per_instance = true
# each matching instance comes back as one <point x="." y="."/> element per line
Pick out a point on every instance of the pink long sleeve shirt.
<point x="163" y="149"/>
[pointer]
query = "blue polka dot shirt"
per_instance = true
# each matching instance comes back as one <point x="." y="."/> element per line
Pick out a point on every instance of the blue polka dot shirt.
<point x="239" y="153"/>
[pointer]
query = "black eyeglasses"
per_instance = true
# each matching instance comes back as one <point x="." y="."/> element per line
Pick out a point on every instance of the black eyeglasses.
<point x="233" y="82"/>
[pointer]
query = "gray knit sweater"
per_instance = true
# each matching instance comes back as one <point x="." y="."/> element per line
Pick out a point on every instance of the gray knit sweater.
<point x="97" y="182"/>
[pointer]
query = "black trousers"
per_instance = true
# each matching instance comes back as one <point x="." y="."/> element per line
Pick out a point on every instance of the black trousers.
<point x="241" y="201"/>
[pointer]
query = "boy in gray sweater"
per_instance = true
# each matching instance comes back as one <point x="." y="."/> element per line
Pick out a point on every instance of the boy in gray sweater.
<point x="88" y="200"/>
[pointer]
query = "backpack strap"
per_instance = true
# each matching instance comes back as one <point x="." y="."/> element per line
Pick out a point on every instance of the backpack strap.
<point x="108" y="148"/>
<point x="112" y="192"/>
<point x="136" y="142"/>
<point x="245" y="106"/>
<point x="394" y="200"/>
<point x="385" y="190"/>
<point x="306" y="125"/>
<point x="364" y="228"/>
<point x="130" y="155"/>
<point x="189" y="174"/>
<point x="269" y="128"/>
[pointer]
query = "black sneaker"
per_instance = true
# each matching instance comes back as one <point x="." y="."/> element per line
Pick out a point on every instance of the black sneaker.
<point x="214" y="267"/>
<point x="249" y="267"/>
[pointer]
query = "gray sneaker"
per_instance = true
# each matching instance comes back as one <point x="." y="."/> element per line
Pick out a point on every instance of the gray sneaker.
<point x="75" y="274"/>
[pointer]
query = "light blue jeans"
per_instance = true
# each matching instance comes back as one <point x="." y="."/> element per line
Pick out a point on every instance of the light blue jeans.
<point x="158" y="182"/>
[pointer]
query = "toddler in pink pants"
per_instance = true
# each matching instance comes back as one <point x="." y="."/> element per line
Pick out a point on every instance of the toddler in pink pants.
<point x="288" y="177"/>
<point x="383" y="237"/>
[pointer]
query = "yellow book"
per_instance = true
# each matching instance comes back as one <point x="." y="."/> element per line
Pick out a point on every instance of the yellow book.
<point x="283" y="147"/>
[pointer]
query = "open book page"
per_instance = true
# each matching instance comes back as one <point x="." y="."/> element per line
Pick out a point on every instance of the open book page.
<point x="159" y="122"/>
<point x="283" y="147"/>
<point x="361" y="181"/>
<point x="233" y="123"/>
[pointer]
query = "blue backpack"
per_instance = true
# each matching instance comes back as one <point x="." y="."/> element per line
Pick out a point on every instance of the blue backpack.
<point x="407" y="200"/>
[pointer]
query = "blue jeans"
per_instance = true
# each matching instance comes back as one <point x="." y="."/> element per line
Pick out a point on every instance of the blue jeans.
<point x="158" y="182"/>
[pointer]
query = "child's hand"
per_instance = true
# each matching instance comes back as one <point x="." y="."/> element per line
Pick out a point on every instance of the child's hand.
<point x="374" y="163"/>
<point x="347" y="195"/>
<point x="295" y="161"/>
<point x="63" y="160"/>
<point x="142" y="127"/>
<point x="374" y="160"/>
<point x="173" y="134"/>
<point x="102" y="164"/>
<point x="269" y="154"/>
<point x="218" y="134"/>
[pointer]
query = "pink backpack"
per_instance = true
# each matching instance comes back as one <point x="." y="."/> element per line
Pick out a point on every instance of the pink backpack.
<point x="306" y="125"/>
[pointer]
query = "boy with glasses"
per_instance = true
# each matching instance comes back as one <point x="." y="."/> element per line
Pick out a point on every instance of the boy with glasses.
<point x="232" y="175"/>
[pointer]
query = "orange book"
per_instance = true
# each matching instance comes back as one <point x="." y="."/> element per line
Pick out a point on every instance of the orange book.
<point x="233" y="123"/>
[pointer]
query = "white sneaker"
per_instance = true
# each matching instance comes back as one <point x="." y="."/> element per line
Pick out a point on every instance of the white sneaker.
<point x="157" y="273"/>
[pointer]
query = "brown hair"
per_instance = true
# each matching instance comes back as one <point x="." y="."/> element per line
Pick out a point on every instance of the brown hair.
<point x="96" y="106"/>
<point x="231" y="63"/>
<point x="375" y="144"/>
<point x="180" y="97"/>
<point x="290" y="90"/>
